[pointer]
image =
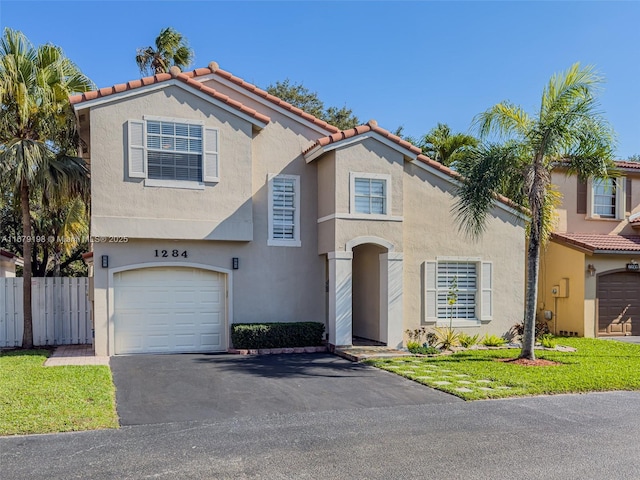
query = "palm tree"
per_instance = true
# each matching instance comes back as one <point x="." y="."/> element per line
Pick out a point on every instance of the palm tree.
<point x="569" y="130"/>
<point x="35" y="83"/>
<point x="443" y="146"/>
<point x="171" y="49"/>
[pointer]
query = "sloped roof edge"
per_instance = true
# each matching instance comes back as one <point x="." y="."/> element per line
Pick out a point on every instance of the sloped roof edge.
<point x="599" y="243"/>
<point x="319" y="146"/>
<point x="190" y="78"/>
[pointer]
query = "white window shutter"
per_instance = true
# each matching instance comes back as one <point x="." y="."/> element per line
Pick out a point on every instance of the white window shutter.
<point x="486" y="298"/>
<point x="136" y="160"/>
<point x="431" y="293"/>
<point x="210" y="160"/>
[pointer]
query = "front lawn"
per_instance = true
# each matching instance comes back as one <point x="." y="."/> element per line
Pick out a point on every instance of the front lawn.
<point x="597" y="365"/>
<point x="38" y="399"/>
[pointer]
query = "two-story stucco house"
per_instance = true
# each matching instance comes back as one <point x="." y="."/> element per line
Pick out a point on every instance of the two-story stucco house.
<point x="590" y="273"/>
<point x="213" y="203"/>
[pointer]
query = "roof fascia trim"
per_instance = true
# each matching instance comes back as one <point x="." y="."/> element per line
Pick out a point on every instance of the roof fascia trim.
<point x="162" y="85"/>
<point x="237" y="88"/>
<point x="321" y="150"/>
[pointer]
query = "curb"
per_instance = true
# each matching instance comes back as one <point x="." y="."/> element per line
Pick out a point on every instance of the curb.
<point x="277" y="351"/>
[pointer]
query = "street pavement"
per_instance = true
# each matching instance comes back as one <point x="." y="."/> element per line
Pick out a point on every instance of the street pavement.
<point x="321" y="417"/>
<point x="592" y="436"/>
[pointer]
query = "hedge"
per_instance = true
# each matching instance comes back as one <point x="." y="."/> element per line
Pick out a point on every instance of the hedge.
<point x="276" y="335"/>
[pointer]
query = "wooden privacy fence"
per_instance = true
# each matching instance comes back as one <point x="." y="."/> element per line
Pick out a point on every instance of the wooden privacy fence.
<point x="61" y="311"/>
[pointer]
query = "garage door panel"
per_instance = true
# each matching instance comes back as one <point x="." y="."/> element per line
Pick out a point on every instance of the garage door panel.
<point x="162" y="310"/>
<point x="210" y="341"/>
<point x="619" y="304"/>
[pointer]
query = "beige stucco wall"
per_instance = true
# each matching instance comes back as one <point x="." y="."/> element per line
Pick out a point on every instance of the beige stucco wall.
<point x="372" y="157"/>
<point x="430" y="231"/>
<point x="125" y="206"/>
<point x="570" y="221"/>
<point x="176" y="218"/>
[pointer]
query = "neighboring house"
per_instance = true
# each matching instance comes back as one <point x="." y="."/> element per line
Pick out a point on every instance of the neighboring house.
<point x="8" y="262"/>
<point x="590" y="272"/>
<point x="215" y="203"/>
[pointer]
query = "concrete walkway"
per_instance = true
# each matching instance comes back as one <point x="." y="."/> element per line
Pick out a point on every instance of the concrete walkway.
<point x="75" y="355"/>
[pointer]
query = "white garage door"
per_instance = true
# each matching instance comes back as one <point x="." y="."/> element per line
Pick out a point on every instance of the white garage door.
<point x="169" y="309"/>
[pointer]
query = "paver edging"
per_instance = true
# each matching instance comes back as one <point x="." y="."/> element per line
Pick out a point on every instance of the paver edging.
<point x="277" y="351"/>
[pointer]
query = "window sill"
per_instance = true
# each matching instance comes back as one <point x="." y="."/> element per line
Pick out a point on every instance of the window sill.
<point x="603" y="219"/>
<point x="362" y="216"/>
<point x="284" y="243"/>
<point x="150" y="182"/>
<point x="458" y="323"/>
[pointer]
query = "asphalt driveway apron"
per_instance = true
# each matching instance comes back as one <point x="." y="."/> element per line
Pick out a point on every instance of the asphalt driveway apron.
<point x="174" y="388"/>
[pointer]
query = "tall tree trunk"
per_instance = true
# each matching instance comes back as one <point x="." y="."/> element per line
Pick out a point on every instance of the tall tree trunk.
<point x="27" y="336"/>
<point x="533" y="262"/>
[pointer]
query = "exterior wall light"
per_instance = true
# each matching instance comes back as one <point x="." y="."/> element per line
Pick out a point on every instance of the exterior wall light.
<point x="591" y="269"/>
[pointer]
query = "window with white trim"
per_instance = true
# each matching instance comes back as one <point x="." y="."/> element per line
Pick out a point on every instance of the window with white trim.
<point x="370" y="194"/>
<point x="604" y="197"/>
<point x="172" y="152"/>
<point x="284" y="210"/>
<point x="458" y="290"/>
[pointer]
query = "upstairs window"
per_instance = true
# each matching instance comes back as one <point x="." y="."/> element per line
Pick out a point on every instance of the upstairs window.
<point x="172" y="152"/>
<point x="604" y="197"/>
<point x="370" y="194"/>
<point x="284" y="210"/>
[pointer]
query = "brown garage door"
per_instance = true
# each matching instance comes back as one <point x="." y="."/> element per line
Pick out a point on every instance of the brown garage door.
<point x="619" y="304"/>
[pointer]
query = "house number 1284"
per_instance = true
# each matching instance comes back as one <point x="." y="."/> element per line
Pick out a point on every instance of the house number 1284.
<point x="171" y="253"/>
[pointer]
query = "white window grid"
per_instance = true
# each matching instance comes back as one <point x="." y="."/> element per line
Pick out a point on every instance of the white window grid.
<point x="464" y="275"/>
<point x="174" y="150"/>
<point x="370" y="196"/>
<point x="604" y="197"/>
<point x="283" y="208"/>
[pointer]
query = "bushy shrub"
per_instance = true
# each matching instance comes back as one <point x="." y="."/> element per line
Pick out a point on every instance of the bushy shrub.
<point x="276" y="335"/>
<point x="467" y="341"/>
<point x="447" y="337"/>
<point x="425" y="349"/>
<point x="493" y="341"/>
<point x="547" y="340"/>
<point x="542" y="328"/>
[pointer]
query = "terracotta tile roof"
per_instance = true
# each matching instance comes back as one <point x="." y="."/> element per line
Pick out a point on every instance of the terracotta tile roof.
<point x="625" y="164"/>
<point x="163" y="77"/>
<point x="213" y="68"/>
<point x="189" y="78"/>
<point x="372" y="126"/>
<point x="595" y="243"/>
<point x="5" y="253"/>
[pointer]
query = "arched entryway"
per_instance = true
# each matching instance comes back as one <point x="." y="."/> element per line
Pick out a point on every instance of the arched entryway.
<point x="366" y="293"/>
<point x="366" y="263"/>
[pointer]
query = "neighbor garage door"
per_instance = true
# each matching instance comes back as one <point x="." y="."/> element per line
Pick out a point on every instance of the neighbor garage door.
<point x="167" y="310"/>
<point x="619" y="304"/>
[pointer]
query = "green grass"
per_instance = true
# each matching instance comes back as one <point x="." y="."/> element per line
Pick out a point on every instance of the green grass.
<point x="38" y="399"/>
<point x="598" y="365"/>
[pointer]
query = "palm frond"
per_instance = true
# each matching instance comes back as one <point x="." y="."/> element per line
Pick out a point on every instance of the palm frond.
<point x="505" y="120"/>
<point x="485" y="169"/>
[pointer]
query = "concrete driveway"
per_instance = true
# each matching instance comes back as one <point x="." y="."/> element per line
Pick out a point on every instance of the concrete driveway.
<point x="152" y="389"/>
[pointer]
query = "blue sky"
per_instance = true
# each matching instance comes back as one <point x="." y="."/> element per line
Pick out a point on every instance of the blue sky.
<point x="402" y="63"/>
